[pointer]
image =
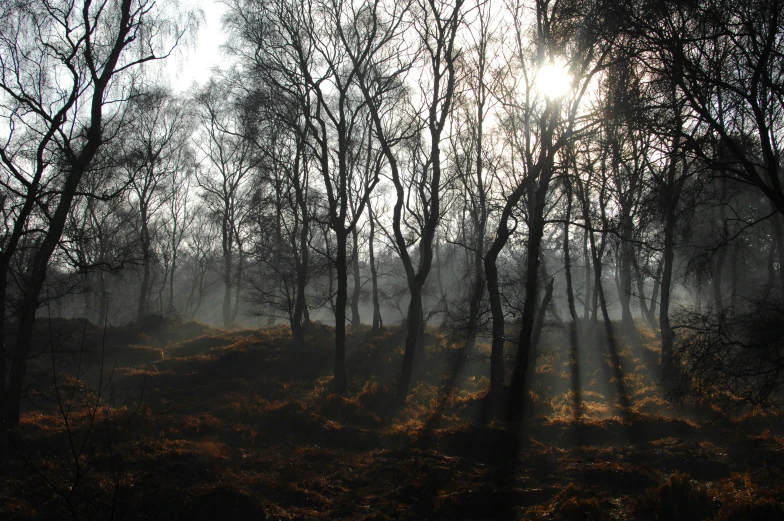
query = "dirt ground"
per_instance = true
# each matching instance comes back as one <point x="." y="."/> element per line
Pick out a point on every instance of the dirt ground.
<point x="184" y="421"/>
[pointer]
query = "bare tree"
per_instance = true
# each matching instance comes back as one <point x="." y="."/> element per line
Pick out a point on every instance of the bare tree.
<point x="539" y="126"/>
<point x="66" y="74"/>
<point x="230" y="159"/>
<point x="380" y="68"/>
<point x="154" y="152"/>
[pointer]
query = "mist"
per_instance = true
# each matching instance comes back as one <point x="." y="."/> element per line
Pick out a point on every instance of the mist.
<point x="507" y="229"/>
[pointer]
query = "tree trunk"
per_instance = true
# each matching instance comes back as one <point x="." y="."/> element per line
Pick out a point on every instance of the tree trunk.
<point x="415" y="325"/>
<point x="238" y="291"/>
<point x="502" y="233"/>
<point x="540" y="316"/>
<point x="667" y="333"/>
<point x="656" y="288"/>
<point x="31" y="291"/>
<point x="476" y="299"/>
<point x="568" y="259"/>
<point x="340" y="382"/>
<point x="550" y="302"/>
<point x="103" y="300"/>
<point x="300" y="305"/>
<point x="625" y="274"/>
<point x="533" y="250"/>
<point x="588" y="288"/>
<point x="172" y="308"/>
<point x="227" y="258"/>
<point x="377" y="322"/>
<point x="771" y="265"/>
<point x="355" y="319"/>
<point x="146" y="259"/>
<point x="498" y="324"/>
<point x="439" y="282"/>
<point x="645" y="309"/>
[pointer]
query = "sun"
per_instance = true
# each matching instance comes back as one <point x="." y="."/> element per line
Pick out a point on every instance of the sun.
<point x="553" y="79"/>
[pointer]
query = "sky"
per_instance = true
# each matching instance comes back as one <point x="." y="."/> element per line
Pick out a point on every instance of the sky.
<point x="195" y="62"/>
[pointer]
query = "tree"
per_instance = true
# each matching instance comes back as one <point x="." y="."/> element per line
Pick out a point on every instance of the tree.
<point x="66" y="74"/>
<point x="539" y="126"/>
<point x="155" y="153"/>
<point x="378" y="54"/>
<point x="231" y="159"/>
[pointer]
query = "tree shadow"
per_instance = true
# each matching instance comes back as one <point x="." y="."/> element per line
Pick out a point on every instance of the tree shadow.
<point x="623" y="402"/>
<point x="576" y="386"/>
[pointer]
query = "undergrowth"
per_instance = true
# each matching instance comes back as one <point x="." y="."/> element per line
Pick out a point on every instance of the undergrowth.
<point x="242" y="424"/>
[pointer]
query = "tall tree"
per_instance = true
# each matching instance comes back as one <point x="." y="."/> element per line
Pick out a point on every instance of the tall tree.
<point x="66" y="76"/>
<point x="540" y="124"/>
<point x="154" y="150"/>
<point x="230" y="161"/>
<point x="378" y="54"/>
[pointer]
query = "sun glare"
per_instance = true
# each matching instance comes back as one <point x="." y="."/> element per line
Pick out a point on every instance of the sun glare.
<point x="553" y="80"/>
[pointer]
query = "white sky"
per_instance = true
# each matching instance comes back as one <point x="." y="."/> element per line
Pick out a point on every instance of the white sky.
<point x="194" y="63"/>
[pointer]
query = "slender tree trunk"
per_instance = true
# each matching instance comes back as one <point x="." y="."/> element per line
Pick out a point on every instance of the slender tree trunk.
<point x="645" y="309"/>
<point x="524" y="345"/>
<point x="536" y="205"/>
<point x="340" y="382"/>
<point x="550" y="302"/>
<point x="331" y="290"/>
<point x="146" y="260"/>
<point x="172" y="308"/>
<point x="498" y="324"/>
<point x="588" y="288"/>
<point x="476" y="299"/>
<point x="625" y="274"/>
<point x="771" y="265"/>
<point x="497" y="370"/>
<point x="415" y="320"/>
<point x="227" y="261"/>
<point x="540" y="316"/>
<point x="302" y="256"/>
<point x="300" y="306"/>
<point x="238" y="291"/>
<point x="355" y="319"/>
<point x="439" y="282"/>
<point x="377" y="322"/>
<point x="568" y="258"/>
<point x="667" y="333"/>
<point x="656" y="288"/>
<point x="103" y="300"/>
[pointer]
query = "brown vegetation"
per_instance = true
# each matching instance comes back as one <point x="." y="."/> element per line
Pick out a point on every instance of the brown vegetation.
<point x="245" y="425"/>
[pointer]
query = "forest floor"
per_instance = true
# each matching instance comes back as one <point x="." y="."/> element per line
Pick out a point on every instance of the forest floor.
<point x="195" y="423"/>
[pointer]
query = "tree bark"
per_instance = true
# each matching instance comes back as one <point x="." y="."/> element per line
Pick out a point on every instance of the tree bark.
<point x="377" y="322"/>
<point x="567" y="257"/>
<point x="340" y="382"/>
<point x="227" y="261"/>
<point x="146" y="260"/>
<point x="355" y="318"/>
